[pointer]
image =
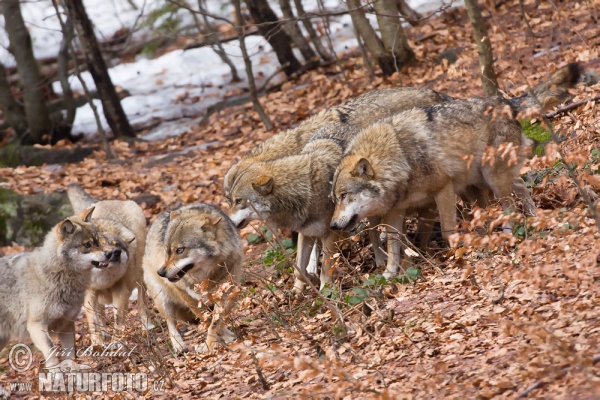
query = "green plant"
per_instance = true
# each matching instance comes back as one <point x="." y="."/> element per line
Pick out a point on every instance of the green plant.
<point x="536" y="132"/>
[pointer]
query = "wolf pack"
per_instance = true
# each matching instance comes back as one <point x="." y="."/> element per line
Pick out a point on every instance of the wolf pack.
<point x="380" y="157"/>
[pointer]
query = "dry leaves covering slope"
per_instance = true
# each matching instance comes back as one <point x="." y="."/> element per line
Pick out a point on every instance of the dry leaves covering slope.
<point x="501" y="315"/>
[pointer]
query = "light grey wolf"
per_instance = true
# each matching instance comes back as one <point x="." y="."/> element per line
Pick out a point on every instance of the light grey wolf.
<point x="434" y="152"/>
<point x="122" y="228"/>
<point x="42" y="291"/>
<point x="184" y="247"/>
<point x="291" y="191"/>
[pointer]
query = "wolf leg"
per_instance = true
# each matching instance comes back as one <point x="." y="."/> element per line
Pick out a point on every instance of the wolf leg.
<point x="305" y="246"/>
<point x="217" y="331"/>
<point x="121" y="304"/>
<point x="66" y="336"/>
<point x="142" y="307"/>
<point x="426" y="219"/>
<point x="375" y="239"/>
<point x="313" y="264"/>
<point x="95" y="317"/>
<point x="329" y="249"/>
<point x="394" y="227"/>
<point x="38" y="332"/>
<point x="169" y="311"/>
<point x="445" y="200"/>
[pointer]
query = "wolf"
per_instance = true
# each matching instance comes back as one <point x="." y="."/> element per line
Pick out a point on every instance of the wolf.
<point x="434" y="152"/>
<point x="331" y="128"/>
<point x="184" y="247"/>
<point x="122" y="228"/>
<point x="42" y="291"/>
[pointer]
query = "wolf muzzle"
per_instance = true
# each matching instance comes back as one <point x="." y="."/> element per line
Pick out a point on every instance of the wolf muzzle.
<point x="348" y="227"/>
<point x="163" y="273"/>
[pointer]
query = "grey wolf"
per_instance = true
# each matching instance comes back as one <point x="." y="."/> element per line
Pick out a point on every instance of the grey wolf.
<point x="42" y="291"/>
<point x="184" y="247"/>
<point x="122" y="229"/>
<point x="434" y="152"/>
<point x="291" y="191"/>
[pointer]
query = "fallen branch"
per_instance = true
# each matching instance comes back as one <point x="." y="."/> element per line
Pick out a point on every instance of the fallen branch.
<point x="225" y="39"/>
<point x="571" y="107"/>
<point x="262" y="379"/>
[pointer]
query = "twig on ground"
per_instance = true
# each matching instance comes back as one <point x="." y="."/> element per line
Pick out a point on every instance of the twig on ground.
<point x="262" y="379"/>
<point x="571" y="106"/>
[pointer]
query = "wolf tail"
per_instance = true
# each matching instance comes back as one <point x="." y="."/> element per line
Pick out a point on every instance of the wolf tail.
<point x="549" y="93"/>
<point x="79" y="199"/>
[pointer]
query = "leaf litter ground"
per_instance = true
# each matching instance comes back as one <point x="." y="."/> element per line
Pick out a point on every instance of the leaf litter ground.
<point x="504" y="316"/>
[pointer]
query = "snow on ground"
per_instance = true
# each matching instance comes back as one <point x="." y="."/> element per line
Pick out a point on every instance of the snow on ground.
<point x="179" y="85"/>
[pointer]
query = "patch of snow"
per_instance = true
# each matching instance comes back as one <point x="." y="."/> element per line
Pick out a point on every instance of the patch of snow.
<point x="180" y="85"/>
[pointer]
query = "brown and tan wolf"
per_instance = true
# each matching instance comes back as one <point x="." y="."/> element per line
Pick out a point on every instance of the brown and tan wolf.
<point x="42" y="291"/>
<point x="434" y="152"/>
<point x="122" y="228"/>
<point x="291" y="190"/>
<point x="184" y="247"/>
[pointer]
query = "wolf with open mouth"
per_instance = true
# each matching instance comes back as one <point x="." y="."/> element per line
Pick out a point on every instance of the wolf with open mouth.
<point x="186" y="246"/>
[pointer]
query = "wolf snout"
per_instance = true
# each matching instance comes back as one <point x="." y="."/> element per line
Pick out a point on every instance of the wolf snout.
<point x="113" y="255"/>
<point x="335" y="226"/>
<point x="162" y="272"/>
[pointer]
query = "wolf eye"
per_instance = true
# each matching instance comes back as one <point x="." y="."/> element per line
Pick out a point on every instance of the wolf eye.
<point x="343" y="196"/>
<point x="87" y="245"/>
<point x="238" y="202"/>
<point x="180" y="250"/>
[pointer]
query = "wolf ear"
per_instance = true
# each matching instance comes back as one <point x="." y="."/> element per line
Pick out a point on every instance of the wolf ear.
<point x="211" y="222"/>
<point x="65" y="228"/>
<point x="363" y="169"/>
<point x="128" y="236"/>
<point x="263" y="185"/>
<point x="173" y="215"/>
<point x="86" y="215"/>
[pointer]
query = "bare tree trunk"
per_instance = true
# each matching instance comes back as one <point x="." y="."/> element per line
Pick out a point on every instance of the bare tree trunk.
<point x="314" y="37"/>
<point x="484" y="48"/>
<point x="14" y="114"/>
<point x="213" y="38"/>
<point x="67" y="29"/>
<point x="291" y="28"/>
<point x="113" y="111"/>
<point x="411" y="15"/>
<point x="392" y="33"/>
<point x="268" y="26"/>
<point x="253" y="93"/>
<point x="63" y="72"/>
<point x="373" y="43"/>
<point x="363" y="53"/>
<point x="38" y="117"/>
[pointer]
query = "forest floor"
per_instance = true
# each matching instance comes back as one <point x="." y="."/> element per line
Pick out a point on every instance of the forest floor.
<point x="502" y="317"/>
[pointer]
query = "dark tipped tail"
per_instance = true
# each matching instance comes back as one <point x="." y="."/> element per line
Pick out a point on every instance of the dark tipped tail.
<point x="79" y="199"/>
<point x="551" y="92"/>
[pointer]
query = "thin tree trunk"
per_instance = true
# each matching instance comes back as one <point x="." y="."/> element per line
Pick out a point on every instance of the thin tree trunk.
<point x="363" y="53"/>
<point x="392" y="33"/>
<point x="213" y="38"/>
<point x="111" y="104"/>
<point x="268" y="26"/>
<point x="67" y="29"/>
<point x="38" y="118"/>
<point x="253" y="93"/>
<point x="63" y="72"/>
<point x="373" y="43"/>
<point x="484" y="48"/>
<point x="291" y="28"/>
<point x="314" y="37"/>
<point x="14" y="114"/>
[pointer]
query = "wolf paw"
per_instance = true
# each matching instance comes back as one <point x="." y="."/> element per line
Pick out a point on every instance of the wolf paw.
<point x="179" y="347"/>
<point x="388" y="274"/>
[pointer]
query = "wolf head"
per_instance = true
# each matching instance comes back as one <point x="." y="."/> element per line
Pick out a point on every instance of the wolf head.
<point x="355" y="193"/>
<point x="114" y="239"/>
<point x="78" y="242"/>
<point x="190" y="240"/>
<point x="251" y="196"/>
